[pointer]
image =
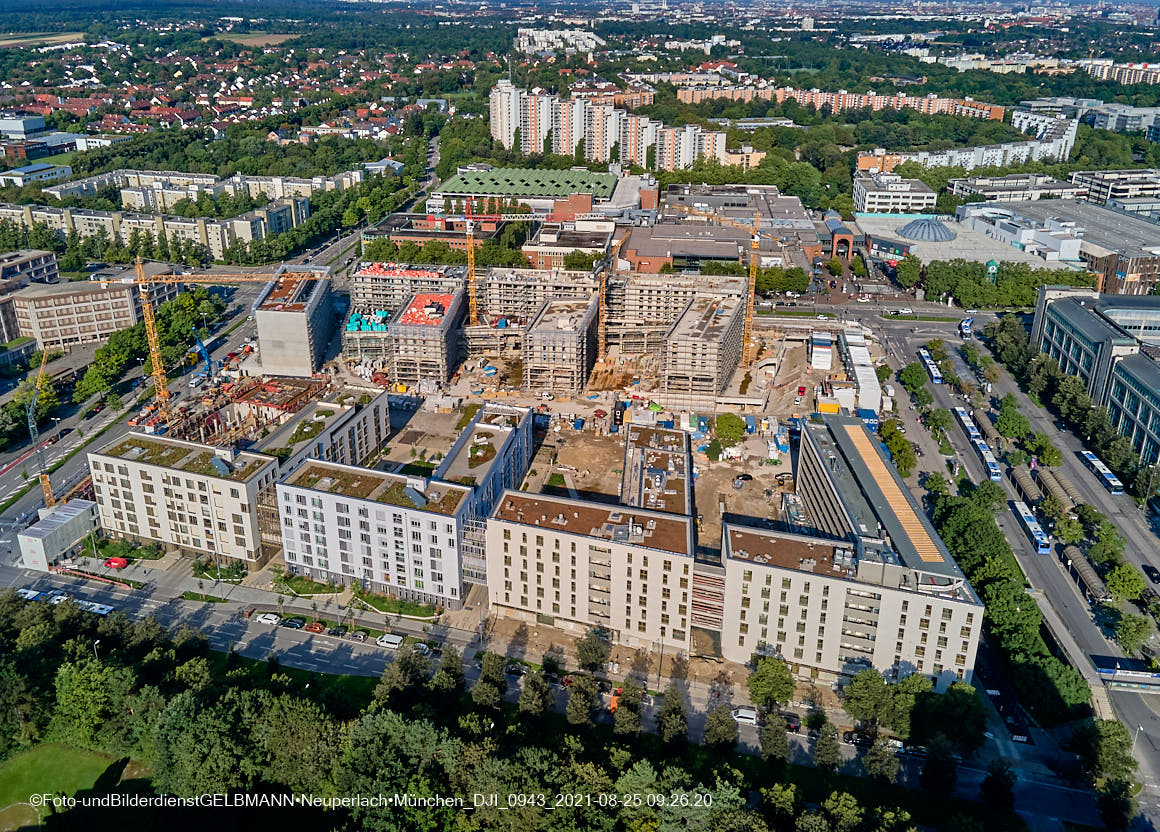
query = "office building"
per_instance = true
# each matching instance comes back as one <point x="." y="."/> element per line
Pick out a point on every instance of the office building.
<point x="1016" y="187"/>
<point x="702" y="350"/>
<point x="59" y="532"/>
<point x="396" y="535"/>
<point x="63" y="315"/>
<point x="889" y="193"/>
<point x="553" y="242"/>
<point x="560" y="346"/>
<point x="39" y="172"/>
<point x="295" y="319"/>
<point x="29" y="266"/>
<point x="188" y="497"/>
<point x="1104" y="186"/>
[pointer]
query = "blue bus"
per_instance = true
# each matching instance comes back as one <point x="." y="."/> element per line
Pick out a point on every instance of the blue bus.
<point x="1035" y="533"/>
<point x="990" y="464"/>
<point x="968" y="423"/>
<point x="965" y="328"/>
<point x="932" y="368"/>
<point x="1097" y="467"/>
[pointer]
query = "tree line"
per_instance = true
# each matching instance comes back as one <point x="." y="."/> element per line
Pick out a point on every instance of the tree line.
<point x="1015" y="284"/>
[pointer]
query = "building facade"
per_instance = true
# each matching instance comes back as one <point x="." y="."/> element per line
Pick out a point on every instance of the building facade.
<point x="295" y="319"/>
<point x="891" y="194"/>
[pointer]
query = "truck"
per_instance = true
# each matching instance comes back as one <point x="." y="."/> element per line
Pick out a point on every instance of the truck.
<point x="750" y="424"/>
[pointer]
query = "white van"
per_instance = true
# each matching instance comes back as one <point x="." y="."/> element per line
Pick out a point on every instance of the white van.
<point x="745" y="716"/>
<point x="390" y="641"/>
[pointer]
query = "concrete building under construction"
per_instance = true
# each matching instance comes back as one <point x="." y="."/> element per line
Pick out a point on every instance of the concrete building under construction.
<point x="425" y="339"/>
<point x="643" y="307"/>
<point x="560" y="345"/>
<point x="702" y="349"/>
<point x="295" y="320"/>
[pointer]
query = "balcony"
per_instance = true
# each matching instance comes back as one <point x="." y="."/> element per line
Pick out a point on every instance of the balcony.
<point x="866" y="619"/>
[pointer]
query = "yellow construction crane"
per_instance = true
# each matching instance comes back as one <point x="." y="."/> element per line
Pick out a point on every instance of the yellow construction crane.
<point x="34" y="433"/>
<point x="160" y="380"/>
<point x="749" y="343"/>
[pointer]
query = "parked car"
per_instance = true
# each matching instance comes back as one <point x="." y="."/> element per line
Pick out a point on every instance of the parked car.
<point x="802" y="390"/>
<point x="293" y="623"/>
<point x="314" y="627"/>
<point x="857" y="738"/>
<point x="793" y="722"/>
<point x="515" y="669"/>
<point x="268" y="618"/>
<point x="745" y="716"/>
<point x="337" y="632"/>
<point x="421" y="648"/>
<point x="116" y="563"/>
<point x="359" y="635"/>
<point x="1152" y="572"/>
<point x="391" y="641"/>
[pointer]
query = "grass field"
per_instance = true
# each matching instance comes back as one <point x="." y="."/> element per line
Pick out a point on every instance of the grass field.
<point x="15" y="39"/>
<point x="54" y="768"/>
<point x="256" y="38"/>
<point x="58" y="159"/>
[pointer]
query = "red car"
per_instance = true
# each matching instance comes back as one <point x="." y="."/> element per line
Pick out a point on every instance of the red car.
<point x="314" y="627"/>
<point x="116" y="563"/>
<point x="802" y="390"/>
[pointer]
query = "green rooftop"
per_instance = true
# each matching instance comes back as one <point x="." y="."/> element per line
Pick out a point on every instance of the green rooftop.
<point x="182" y="457"/>
<point x="531" y="183"/>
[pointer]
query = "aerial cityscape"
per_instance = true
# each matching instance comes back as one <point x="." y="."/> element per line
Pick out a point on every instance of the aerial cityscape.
<point x="656" y="415"/>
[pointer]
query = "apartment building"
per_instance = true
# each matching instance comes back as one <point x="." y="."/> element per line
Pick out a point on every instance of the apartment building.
<point x="657" y="471"/>
<point x="295" y="318"/>
<point x="29" y="266"/>
<point x="560" y="345"/>
<point x="393" y="534"/>
<point x="186" y="496"/>
<point x="702" y="351"/>
<point x="1105" y="69"/>
<point x="889" y="193"/>
<point x="843" y="100"/>
<point x="1016" y="187"/>
<point x="425" y="340"/>
<point x="576" y="564"/>
<point x="62" y="315"/>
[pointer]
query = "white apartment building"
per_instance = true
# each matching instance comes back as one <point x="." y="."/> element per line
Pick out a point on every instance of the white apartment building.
<point x="578" y="564"/>
<point x="891" y="194"/>
<point x="183" y="495"/>
<point x="394" y="534"/>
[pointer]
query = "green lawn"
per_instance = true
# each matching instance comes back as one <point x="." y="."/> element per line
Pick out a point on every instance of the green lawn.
<point x="60" y="769"/>
<point x="301" y="585"/>
<point x="394" y="605"/>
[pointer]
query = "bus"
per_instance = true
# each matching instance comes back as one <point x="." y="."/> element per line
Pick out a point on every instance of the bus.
<point x="1035" y="534"/>
<point x="931" y="367"/>
<point x="990" y="464"/>
<point x="1102" y="471"/>
<point x="965" y="328"/>
<point x="968" y="424"/>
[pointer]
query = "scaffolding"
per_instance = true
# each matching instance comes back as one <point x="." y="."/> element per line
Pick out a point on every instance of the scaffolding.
<point x="560" y="346"/>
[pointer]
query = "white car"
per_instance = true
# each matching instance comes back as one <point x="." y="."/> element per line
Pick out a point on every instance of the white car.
<point x="823" y="317"/>
<point x="863" y="299"/>
<point x="906" y="310"/>
<point x="389" y="641"/>
<point x="269" y="618"/>
<point x="745" y="715"/>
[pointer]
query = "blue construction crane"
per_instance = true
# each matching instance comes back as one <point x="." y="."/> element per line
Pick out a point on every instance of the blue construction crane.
<point x="204" y="354"/>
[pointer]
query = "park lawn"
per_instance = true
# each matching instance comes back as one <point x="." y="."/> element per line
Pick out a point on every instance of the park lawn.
<point x="52" y="767"/>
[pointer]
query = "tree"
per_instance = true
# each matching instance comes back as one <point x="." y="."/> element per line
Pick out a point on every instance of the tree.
<point x="720" y="727"/>
<point x="936" y="485"/>
<point x="626" y="720"/>
<point x="673" y="718"/>
<point x="582" y="695"/>
<point x="956" y="714"/>
<point x="883" y="372"/>
<point x="491" y="669"/>
<point x="730" y="429"/>
<point x="941" y="769"/>
<point x="773" y="738"/>
<point x="448" y="678"/>
<point x="912" y="377"/>
<point x="402" y="676"/>
<point x="938" y="419"/>
<point x="1012" y="424"/>
<point x="835" y="266"/>
<point x="827" y="752"/>
<point x="1125" y="581"/>
<point x="486" y="694"/>
<point x="1067" y="530"/>
<point x="866" y="698"/>
<point x="113" y="401"/>
<point x="998" y="787"/>
<point x="536" y="696"/>
<point x="592" y="650"/>
<point x="771" y="684"/>
<point x="1146" y="481"/>
<point x="1132" y="631"/>
<point x="881" y="762"/>
<point x="909" y="271"/>
<point x="1116" y="804"/>
<point x="1104" y="748"/>
<point x="843" y="812"/>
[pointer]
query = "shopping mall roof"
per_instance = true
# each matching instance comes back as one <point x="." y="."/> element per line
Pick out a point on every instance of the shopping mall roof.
<point x="528" y="182"/>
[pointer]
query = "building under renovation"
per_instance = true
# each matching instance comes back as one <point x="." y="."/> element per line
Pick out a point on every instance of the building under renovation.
<point x="425" y="340"/>
<point x="560" y="345"/>
<point x="701" y="351"/>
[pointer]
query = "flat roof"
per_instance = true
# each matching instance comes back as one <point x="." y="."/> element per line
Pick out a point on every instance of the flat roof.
<point x="630" y="526"/>
<point x="875" y="496"/>
<point x="427" y="309"/>
<point x="1113" y="230"/>
<point x="657" y="463"/>
<point x="706" y="318"/>
<point x="1085" y="319"/>
<point x="62" y="514"/>
<point x="564" y="315"/>
<point x="191" y="457"/>
<point x="378" y="486"/>
<point x="292" y="290"/>
<point x="529" y="182"/>
<point x="786" y="550"/>
<point x="970" y="245"/>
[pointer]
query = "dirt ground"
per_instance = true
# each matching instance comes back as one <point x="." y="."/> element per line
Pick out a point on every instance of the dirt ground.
<point x="598" y="461"/>
<point x="715" y="484"/>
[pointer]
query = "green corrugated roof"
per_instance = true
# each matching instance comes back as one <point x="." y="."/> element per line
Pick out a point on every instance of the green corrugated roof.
<point x="528" y="182"/>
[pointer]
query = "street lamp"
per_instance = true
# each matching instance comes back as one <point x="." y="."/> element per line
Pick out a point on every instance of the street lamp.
<point x="1135" y="737"/>
<point x="95" y="656"/>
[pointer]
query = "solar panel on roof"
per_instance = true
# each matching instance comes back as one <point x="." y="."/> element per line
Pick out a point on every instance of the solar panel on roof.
<point x="913" y="527"/>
